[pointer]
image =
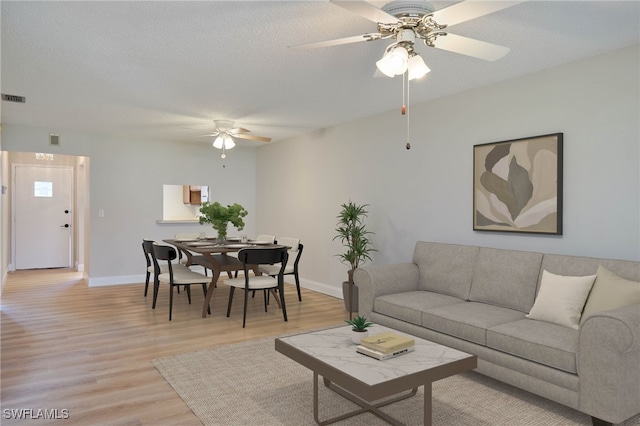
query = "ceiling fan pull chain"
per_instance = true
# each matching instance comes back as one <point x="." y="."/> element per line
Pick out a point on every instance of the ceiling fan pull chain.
<point x="403" y="110"/>
<point x="408" y="145"/>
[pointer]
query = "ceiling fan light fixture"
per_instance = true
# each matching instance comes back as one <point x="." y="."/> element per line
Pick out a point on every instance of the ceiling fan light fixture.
<point x="228" y="142"/>
<point x="223" y="140"/>
<point x="394" y="61"/>
<point x="417" y="68"/>
<point x="218" y="142"/>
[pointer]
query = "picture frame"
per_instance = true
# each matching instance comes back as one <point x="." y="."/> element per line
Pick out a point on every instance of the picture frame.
<point x="517" y="185"/>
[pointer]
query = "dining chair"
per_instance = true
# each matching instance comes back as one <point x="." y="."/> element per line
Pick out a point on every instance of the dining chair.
<point x="177" y="275"/>
<point x="250" y="257"/>
<point x="266" y="238"/>
<point x="263" y="238"/>
<point x="294" y="253"/>
<point x="189" y="236"/>
<point x="147" y="248"/>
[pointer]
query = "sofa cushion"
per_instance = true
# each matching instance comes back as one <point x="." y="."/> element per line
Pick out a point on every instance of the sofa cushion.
<point x="506" y="278"/>
<point x="561" y="299"/>
<point x="469" y="320"/>
<point x="610" y="291"/>
<point x="538" y="341"/>
<point x="578" y="265"/>
<point x="408" y="306"/>
<point x="445" y="268"/>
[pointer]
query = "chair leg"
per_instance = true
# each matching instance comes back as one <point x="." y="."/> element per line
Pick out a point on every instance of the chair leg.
<point x="244" y="313"/>
<point x="230" y="300"/>
<point x="170" y="300"/>
<point x="284" y="308"/>
<point x="204" y="290"/>
<point x="298" y="286"/>
<point x="156" y="287"/>
<point x="188" y="288"/>
<point x="146" y="284"/>
<point x="266" y="294"/>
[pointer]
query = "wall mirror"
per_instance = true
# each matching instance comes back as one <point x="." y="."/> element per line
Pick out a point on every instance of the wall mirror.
<point x="183" y="202"/>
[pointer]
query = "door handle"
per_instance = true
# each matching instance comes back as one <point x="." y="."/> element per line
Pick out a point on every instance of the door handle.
<point x="66" y="225"/>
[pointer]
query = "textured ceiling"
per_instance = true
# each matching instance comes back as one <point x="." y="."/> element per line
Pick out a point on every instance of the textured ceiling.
<point x="159" y="69"/>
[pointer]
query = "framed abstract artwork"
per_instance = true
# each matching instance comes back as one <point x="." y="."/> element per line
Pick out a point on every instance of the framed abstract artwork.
<point x="517" y="185"/>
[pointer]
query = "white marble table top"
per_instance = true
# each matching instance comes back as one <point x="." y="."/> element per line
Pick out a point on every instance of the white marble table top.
<point x="334" y="348"/>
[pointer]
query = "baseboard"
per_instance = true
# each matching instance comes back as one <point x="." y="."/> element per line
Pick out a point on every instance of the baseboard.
<point x="116" y="280"/>
<point x="138" y="279"/>
<point x="79" y="267"/>
<point x="321" y="288"/>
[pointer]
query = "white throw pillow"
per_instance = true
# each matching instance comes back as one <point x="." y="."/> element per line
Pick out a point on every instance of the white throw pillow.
<point x="610" y="291"/>
<point x="561" y="299"/>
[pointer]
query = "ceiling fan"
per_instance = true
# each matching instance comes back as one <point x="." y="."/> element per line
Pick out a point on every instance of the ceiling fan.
<point x="406" y="21"/>
<point x="224" y="135"/>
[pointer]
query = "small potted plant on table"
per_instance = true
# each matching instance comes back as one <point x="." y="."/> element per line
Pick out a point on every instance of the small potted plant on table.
<point x="359" y="326"/>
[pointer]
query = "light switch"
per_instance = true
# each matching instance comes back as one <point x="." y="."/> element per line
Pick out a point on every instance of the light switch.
<point x="100" y="213"/>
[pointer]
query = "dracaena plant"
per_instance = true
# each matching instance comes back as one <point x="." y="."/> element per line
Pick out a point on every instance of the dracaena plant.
<point x="220" y="216"/>
<point x="352" y="233"/>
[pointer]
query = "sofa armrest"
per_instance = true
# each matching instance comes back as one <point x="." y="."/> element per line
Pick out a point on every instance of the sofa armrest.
<point x="609" y="364"/>
<point x="378" y="280"/>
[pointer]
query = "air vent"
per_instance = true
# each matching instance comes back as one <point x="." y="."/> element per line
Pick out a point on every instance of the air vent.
<point x="14" y="98"/>
<point x="54" y="140"/>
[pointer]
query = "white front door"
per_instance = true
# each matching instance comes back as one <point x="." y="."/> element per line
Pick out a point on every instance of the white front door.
<point x="42" y="216"/>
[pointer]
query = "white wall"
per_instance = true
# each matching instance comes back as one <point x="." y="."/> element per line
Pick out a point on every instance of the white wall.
<point x="126" y="180"/>
<point x="426" y="193"/>
<point x="294" y="188"/>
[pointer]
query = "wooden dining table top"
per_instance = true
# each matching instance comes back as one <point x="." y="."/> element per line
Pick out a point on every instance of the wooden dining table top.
<point x="216" y="257"/>
<point x="212" y="246"/>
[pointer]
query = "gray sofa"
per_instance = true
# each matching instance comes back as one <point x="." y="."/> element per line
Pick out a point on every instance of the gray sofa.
<point x="475" y="299"/>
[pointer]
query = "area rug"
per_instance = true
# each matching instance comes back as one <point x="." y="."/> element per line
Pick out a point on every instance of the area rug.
<point x="251" y="384"/>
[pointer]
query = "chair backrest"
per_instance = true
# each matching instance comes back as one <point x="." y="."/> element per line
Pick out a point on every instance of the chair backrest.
<point x="186" y="236"/>
<point x="147" y="247"/>
<point x="263" y="256"/>
<point x="167" y="253"/>
<point x="267" y="238"/>
<point x="294" y="243"/>
<point x="163" y="252"/>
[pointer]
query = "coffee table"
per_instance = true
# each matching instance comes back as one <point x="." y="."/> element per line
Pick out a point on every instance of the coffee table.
<point x="364" y="380"/>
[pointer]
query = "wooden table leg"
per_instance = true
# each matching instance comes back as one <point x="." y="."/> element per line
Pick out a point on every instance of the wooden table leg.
<point x="215" y="274"/>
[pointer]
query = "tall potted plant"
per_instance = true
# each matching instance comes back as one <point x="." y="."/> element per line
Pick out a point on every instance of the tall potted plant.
<point x="352" y="233"/>
<point x="220" y="216"/>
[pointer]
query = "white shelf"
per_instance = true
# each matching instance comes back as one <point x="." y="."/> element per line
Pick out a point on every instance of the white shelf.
<point x="161" y="222"/>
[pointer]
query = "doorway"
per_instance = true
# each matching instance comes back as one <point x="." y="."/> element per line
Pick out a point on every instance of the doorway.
<point x="42" y="216"/>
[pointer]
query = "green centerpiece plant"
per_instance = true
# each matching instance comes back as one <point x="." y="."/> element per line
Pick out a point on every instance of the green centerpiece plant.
<point x="220" y="216"/>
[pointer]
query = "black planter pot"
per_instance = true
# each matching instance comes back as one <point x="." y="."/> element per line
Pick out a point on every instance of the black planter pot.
<point x="345" y="295"/>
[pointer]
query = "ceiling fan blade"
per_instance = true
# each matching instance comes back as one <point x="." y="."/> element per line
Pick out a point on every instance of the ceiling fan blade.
<point x="367" y="11"/>
<point x="339" y="41"/>
<point x="471" y="47"/>
<point x="239" y="130"/>
<point x="252" y="137"/>
<point x="468" y="10"/>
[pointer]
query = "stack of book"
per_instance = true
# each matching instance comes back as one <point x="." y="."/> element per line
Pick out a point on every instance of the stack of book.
<point x="386" y="345"/>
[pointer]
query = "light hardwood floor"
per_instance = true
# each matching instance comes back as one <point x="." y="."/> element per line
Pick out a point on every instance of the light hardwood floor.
<point x="89" y="350"/>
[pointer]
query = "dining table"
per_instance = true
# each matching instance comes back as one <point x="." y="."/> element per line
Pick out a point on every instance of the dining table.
<point x="214" y="255"/>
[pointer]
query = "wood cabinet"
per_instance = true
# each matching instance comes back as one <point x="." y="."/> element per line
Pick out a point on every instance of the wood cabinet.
<point x="192" y="194"/>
